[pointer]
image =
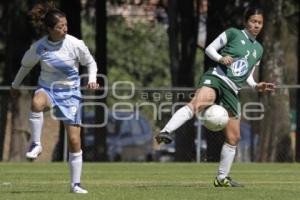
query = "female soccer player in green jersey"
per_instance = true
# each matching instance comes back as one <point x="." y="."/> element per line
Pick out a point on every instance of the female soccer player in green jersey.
<point x="235" y="53"/>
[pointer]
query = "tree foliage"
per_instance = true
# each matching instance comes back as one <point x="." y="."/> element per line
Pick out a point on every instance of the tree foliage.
<point x="138" y="54"/>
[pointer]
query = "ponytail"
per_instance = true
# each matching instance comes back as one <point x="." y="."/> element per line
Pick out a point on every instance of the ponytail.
<point x="45" y="15"/>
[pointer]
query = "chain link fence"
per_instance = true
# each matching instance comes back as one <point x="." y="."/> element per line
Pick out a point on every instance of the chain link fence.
<point x="121" y="121"/>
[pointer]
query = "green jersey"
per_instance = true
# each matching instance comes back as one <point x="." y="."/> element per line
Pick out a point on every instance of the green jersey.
<point x="245" y="51"/>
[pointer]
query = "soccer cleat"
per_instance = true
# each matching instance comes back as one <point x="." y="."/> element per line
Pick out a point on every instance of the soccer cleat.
<point x="226" y="182"/>
<point x="164" y="137"/>
<point x="34" y="151"/>
<point x="78" y="189"/>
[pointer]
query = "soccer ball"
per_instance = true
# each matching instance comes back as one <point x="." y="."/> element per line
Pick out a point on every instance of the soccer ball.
<point x="215" y="118"/>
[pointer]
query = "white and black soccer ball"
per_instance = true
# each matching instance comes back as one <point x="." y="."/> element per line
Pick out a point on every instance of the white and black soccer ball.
<point x="215" y="118"/>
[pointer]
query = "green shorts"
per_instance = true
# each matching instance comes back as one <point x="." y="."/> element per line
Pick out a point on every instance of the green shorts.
<point x="225" y="95"/>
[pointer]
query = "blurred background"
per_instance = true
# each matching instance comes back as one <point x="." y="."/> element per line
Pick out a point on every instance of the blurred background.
<point x="150" y="55"/>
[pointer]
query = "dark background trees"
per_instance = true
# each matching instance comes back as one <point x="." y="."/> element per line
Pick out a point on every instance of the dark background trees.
<point x="182" y="31"/>
<point x="16" y="22"/>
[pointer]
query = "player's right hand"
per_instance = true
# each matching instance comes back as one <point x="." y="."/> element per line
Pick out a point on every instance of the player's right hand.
<point x="226" y="60"/>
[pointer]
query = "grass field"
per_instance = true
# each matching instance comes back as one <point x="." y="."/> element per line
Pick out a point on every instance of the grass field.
<point x="130" y="181"/>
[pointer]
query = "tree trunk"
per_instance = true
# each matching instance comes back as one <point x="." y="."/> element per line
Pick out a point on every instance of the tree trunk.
<point x="298" y="104"/>
<point x="16" y="45"/>
<point x="72" y="9"/>
<point x="3" y="94"/>
<point x="173" y="32"/>
<point x="188" y="33"/>
<point x="182" y="32"/>
<point x="20" y="126"/>
<point x="101" y="59"/>
<point x="3" y="119"/>
<point x="274" y="138"/>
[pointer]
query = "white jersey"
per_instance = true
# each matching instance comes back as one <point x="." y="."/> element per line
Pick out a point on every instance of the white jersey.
<point x="59" y="62"/>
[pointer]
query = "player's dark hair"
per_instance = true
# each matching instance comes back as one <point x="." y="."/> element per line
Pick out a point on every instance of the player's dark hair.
<point x="45" y="15"/>
<point x="252" y="11"/>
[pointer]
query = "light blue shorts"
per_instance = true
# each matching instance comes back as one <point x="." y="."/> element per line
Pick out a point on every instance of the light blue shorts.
<point x="65" y="104"/>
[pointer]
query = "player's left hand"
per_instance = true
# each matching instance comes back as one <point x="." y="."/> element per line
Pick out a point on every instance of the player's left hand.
<point x="265" y="87"/>
<point x="92" y="85"/>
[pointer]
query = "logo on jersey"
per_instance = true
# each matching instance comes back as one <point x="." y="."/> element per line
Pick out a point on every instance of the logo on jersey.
<point x="243" y="42"/>
<point x="207" y="81"/>
<point x="239" y="67"/>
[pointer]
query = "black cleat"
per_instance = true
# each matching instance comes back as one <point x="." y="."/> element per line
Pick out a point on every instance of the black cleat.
<point x="164" y="137"/>
<point x="226" y="182"/>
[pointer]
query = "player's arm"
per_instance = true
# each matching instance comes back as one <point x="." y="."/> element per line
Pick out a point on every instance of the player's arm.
<point x="213" y="48"/>
<point x="29" y="60"/>
<point x="250" y="80"/>
<point x="261" y="86"/>
<point x="86" y="59"/>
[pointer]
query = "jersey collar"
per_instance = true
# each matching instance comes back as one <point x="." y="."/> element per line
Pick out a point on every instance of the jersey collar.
<point x="249" y="36"/>
<point x="54" y="43"/>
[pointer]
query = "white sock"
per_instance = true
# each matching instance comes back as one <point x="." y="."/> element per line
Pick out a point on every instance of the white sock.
<point x="178" y="119"/>
<point x="75" y="164"/>
<point x="227" y="157"/>
<point x="36" y="120"/>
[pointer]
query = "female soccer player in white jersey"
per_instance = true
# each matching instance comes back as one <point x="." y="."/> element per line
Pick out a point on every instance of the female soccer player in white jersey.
<point x="59" y="55"/>
<point x="235" y="53"/>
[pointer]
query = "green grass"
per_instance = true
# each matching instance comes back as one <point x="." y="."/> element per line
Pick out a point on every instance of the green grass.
<point x="130" y="181"/>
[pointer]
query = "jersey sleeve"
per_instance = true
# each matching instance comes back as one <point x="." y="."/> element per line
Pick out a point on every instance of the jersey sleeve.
<point x="213" y="48"/>
<point x="86" y="59"/>
<point x="30" y="58"/>
<point x="231" y="33"/>
<point x="85" y="56"/>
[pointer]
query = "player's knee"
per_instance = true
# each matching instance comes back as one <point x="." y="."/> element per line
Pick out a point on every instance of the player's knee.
<point x="37" y="105"/>
<point x="200" y="106"/>
<point x="74" y="142"/>
<point x="233" y="140"/>
<point x="202" y="103"/>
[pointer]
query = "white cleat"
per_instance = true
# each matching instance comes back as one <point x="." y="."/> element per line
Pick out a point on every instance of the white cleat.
<point x="78" y="189"/>
<point x="34" y="151"/>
